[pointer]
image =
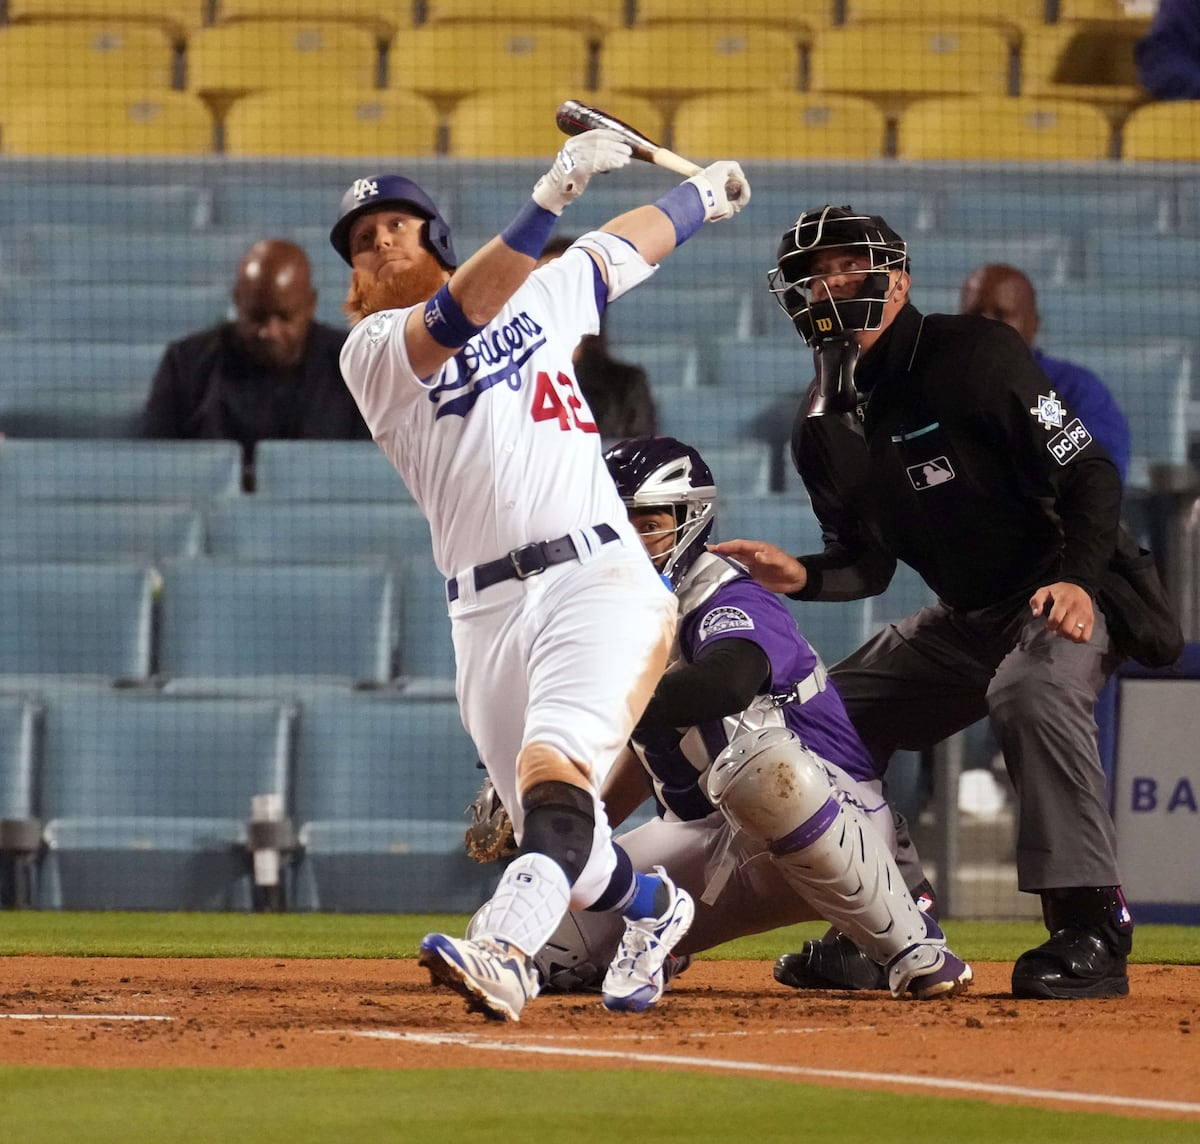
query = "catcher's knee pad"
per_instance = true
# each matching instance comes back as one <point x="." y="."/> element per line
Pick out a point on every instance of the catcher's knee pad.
<point x="769" y="784"/>
<point x="560" y="822"/>
<point x="538" y="763"/>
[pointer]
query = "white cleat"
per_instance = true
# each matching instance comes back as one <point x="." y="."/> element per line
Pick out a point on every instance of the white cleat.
<point x="635" y="979"/>
<point x="496" y="979"/>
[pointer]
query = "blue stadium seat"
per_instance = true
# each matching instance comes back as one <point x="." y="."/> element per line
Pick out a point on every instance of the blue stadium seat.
<point x="315" y="532"/>
<point x="778" y="365"/>
<point x="381" y="790"/>
<point x="714" y="415"/>
<point x="84" y="621"/>
<point x="426" y="652"/>
<point x="124" y="202"/>
<point x="147" y="471"/>
<point x="75" y="254"/>
<point x="945" y="260"/>
<point x="1118" y="258"/>
<point x="325" y="471"/>
<point x="73" y="363"/>
<point x="41" y="531"/>
<point x="146" y="799"/>
<point x="46" y="410"/>
<point x="740" y="470"/>
<point x="694" y="312"/>
<point x="97" y="312"/>
<point x="20" y="826"/>
<point x="233" y="627"/>
<point x="1050" y="203"/>
<point x="667" y="363"/>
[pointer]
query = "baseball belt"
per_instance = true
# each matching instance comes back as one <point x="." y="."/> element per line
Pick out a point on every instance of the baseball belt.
<point x="528" y="560"/>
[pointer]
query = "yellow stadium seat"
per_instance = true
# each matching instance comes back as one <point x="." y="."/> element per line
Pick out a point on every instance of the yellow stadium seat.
<point x="332" y="122"/>
<point x="694" y="59"/>
<point x="596" y="16"/>
<point x="1084" y="59"/>
<point x="1008" y="13"/>
<point x="991" y="127"/>
<point x="382" y="17"/>
<point x="1093" y="10"/>
<point x="448" y="60"/>
<point x="780" y="125"/>
<point x="179" y="17"/>
<point x="252" y="55"/>
<point x="794" y="16"/>
<point x="512" y="124"/>
<point x="1165" y="131"/>
<point x="81" y="122"/>
<point x="93" y="54"/>
<point x="905" y="61"/>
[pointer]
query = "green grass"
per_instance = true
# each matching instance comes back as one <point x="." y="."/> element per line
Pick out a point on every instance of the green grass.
<point x="372" y="935"/>
<point x="360" y="1106"/>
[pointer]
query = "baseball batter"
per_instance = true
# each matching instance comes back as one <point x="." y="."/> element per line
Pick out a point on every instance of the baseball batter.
<point x="770" y="807"/>
<point x="561" y="628"/>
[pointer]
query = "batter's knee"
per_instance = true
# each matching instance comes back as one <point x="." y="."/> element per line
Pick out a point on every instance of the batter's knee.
<point x="539" y="763"/>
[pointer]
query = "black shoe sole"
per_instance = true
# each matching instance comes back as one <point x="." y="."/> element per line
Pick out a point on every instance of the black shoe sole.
<point x="1080" y="991"/>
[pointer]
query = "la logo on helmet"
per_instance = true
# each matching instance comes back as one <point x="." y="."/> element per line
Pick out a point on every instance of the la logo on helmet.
<point x="365" y="188"/>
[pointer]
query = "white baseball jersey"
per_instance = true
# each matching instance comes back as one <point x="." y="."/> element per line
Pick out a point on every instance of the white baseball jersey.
<point x="490" y="446"/>
<point x="499" y="449"/>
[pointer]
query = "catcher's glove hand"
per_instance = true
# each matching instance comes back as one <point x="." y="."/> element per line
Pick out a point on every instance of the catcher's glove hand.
<point x="489" y="836"/>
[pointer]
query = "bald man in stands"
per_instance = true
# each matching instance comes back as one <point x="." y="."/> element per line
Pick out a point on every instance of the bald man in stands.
<point x="1006" y="294"/>
<point x="272" y="372"/>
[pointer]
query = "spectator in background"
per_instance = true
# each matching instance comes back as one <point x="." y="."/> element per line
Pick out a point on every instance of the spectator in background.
<point x="272" y="372"/>
<point x="1168" y="57"/>
<point x="617" y="392"/>
<point x="1006" y="294"/>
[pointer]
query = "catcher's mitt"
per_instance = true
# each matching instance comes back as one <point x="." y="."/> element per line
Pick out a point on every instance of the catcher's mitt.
<point x="489" y="836"/>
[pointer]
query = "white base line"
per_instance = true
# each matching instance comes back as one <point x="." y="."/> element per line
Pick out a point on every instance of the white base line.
<point x="81" y="1017"/>
<point x="471" y="1041"/>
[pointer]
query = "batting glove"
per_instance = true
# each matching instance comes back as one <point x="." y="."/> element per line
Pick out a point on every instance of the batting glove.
<point x="724" y="189"/>
<point x="581" y="157"/>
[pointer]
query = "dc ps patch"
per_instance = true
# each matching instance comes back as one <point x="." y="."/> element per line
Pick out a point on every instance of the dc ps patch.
<point x="930" y="473"/>
<point x="724" y="620"/>
<point x="1063" y="446"/>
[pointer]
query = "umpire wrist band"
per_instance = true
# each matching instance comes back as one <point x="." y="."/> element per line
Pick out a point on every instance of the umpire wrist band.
<point x="684" y="207"/>
<point x="530" y="230"/>
<point x="445" y="321"/>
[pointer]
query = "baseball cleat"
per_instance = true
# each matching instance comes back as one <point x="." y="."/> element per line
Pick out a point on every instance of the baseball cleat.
<point x="830" y="962"/>
<point x="495" y="979"/>
<point x="1073" y="963"/>
<point x="635" y="979"/>
<point x="929" y="970"/>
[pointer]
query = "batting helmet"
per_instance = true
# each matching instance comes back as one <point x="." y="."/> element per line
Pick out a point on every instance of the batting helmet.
<point x="827" y="228"/>
<point x="376" y="191"/>
<point x="653" y="472"/>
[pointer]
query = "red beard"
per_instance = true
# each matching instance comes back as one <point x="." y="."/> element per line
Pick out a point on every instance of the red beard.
<point x="395" y="293"/>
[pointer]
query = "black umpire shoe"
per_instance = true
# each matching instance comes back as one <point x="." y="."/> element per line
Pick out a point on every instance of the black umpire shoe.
<point x="1091" y="935"/>
<point x="831" y="962"/>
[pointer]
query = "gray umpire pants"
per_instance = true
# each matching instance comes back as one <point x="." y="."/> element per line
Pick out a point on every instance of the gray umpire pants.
<point x="923" y="679"/>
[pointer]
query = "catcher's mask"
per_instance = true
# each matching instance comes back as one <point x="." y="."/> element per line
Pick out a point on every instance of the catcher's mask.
<point x="815" y="311"/>
<point x="660" y="472"/>
<point x="375" y="192"/>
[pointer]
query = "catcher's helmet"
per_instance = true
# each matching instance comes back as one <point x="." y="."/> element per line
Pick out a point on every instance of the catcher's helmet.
<point x="376" y="191"/>
<point x="653" y="472"/>
<point x="819" y="316"/>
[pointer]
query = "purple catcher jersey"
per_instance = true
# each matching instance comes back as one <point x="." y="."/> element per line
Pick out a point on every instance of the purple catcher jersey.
<point x="744" y="609"/>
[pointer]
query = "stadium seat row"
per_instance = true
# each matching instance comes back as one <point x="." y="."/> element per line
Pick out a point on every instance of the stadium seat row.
<point x="124" y="801"/>
<point x="779" y="124"/>
<point x="671" y="61"/>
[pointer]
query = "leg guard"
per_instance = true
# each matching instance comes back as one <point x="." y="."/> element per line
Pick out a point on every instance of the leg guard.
<point x="560" y="822"/>
<point x="528" y="904"/>
<point x="771" y="786"/>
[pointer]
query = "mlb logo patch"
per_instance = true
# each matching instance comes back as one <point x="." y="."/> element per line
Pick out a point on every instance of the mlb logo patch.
<point x="929" y="473"/>
<point x="1063" y="446"/>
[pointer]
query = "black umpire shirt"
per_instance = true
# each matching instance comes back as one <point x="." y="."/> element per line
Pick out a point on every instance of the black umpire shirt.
<point x="206" y="387"/>
<point x="963" y="463"/>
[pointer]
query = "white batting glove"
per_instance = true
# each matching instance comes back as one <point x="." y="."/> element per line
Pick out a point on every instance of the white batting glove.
<point x="581" y="157"/>
<point x="724" y="189"/>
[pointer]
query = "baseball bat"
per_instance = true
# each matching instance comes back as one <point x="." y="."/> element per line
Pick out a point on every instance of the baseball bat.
<point x="574" y="118"/>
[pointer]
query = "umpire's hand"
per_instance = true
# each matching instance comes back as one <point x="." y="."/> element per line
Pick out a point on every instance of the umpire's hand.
<point x="770" y="566"/>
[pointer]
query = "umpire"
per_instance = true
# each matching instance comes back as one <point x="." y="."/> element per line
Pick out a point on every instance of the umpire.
<point x="937" y="440"/>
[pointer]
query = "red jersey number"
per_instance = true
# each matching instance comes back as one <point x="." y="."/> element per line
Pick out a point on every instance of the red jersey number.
<point x="548" y="405"/>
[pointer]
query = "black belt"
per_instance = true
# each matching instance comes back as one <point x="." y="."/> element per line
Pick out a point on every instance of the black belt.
<point x="528" y="560"/>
